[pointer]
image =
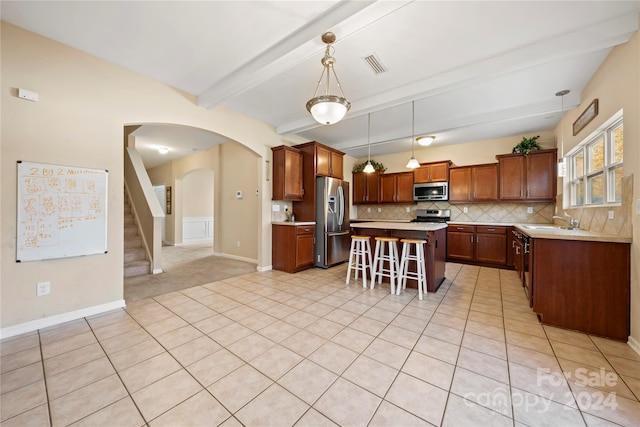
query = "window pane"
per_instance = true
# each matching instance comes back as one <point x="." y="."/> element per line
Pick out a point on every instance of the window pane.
<point x="617" y="190"/>
<point x="578" y="165"/>
<point x="596" y="189"/>
<point x="596" y="155"/>
<point x="578" y="190"/>
<point x="617" y="144"/>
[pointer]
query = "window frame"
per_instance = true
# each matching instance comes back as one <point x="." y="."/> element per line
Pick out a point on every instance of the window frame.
<point x="580" y="183"/>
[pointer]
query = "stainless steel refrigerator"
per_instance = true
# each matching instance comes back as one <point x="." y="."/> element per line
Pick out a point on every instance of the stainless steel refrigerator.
<point x="332" y="221"/>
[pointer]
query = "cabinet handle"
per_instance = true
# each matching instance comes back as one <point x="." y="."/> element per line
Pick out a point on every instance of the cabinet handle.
<point x="513" y="243"/>
<point x="477" y="239"/>
<point x="517" y="250"/>
<point x="460" y="228"/>
<point x="491" y="229"/>
<point x="472" y="238"/>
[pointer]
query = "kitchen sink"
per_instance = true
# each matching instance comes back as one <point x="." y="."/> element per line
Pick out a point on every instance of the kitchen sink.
<point x="544" y="227"/>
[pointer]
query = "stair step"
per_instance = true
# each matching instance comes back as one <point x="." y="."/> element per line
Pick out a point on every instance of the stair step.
<point x="133" y="242"/>
<point x="136" y="268"/>
<point x="135" y="254"/>
<point x="130" y="231"/>
<point x="129" y="220"/>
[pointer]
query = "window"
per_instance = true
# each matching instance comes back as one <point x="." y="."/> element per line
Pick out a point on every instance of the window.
<point x="595" y="166"/>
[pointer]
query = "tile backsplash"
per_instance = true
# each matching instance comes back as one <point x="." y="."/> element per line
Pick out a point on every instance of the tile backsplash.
<point x="512" y="213"/>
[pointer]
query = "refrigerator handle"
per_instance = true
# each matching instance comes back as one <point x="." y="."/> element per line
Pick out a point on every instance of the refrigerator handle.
<point x="340" y="206"/>
<point x="339" y="233"/>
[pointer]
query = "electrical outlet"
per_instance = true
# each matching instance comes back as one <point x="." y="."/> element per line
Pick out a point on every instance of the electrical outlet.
<point x="529" y="209"/>
<point x="408" y="209"/>
<point x="465" y="210"/>
<point x="238" y="243"/>
<point x="379" y="210"/>
<point x="637" y="206"/>
<point x="368" y="209"/>
<point x="612" y="214"/>
<point x="276" y="208"/>
<point x="43" y="288"/>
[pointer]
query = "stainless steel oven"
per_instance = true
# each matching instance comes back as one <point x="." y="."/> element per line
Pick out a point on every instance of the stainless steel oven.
<point x="429" y="191"/>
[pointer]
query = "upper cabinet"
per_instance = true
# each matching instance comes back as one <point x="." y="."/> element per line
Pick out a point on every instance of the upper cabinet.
<point x="531" y="177"/>
<point x="396" y="187"/>
<point x="287" y="173"/>
<point x="365" y="187"/>
<point x="432" y="172"/>
<point x="328" y="161"/>
<point x="477" y="183"/>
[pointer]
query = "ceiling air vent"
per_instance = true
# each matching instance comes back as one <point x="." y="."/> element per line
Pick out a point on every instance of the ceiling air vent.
<point x="375" y="64"/>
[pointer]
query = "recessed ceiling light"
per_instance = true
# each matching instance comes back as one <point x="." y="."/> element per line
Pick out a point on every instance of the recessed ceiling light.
<point x="163" y="150"/>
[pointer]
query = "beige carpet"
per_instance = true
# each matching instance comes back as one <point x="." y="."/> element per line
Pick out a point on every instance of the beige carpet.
<point x="184" y="267"/>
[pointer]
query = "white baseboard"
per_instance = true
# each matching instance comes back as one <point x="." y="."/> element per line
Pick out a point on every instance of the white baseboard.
<point x="236" y="257"/>
<point x="156" y="271"/>
<point x="265" y="268"/>
<point x="634" y="344"/>
<point x="45" y="322"/>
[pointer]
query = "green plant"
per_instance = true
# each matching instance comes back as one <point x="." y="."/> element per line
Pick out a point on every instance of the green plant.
<point x="377" y="166"/>
<point x="527" y="144"/>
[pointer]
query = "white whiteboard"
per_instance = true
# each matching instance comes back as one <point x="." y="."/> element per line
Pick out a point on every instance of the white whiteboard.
<point x="62" y="211"/>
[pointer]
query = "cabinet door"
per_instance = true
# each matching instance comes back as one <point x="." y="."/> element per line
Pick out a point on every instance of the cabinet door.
<point x="387" y="188"/>
<point x="421" y="174"/>
<point x="304" y="250"/>
<point x="459" y="184"/>
<point x="373" y="182"/>
<point x="359" y="188"/>
<point x="404" y="187"/>
<point x="512" y="178"/>
<point x="491" y="248"/>
<point x="323" y="161"/>
<point x="292" y="175"/>
<point x="459" y="246"/>
<point x="439" y="172"/>
<point x="336" y="165"/>
<point x="484" y="180"/>
<point x="541" y="176"/>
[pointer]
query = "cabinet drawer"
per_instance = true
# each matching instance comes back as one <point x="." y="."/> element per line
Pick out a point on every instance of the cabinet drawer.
<point x="487" y="229"/>
<point x="462" y="228"/>
<point x="305" y="229"/>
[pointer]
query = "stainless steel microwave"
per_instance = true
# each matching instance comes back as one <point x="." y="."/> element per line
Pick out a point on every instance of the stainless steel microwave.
<point x="429" y="191"/>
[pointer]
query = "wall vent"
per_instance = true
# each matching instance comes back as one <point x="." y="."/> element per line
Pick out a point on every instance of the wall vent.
<point x="375" y="64"/>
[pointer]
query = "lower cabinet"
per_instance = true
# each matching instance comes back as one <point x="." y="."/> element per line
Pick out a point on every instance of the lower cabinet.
<point x="479" y="244"/>
<point x="292" y="247"/>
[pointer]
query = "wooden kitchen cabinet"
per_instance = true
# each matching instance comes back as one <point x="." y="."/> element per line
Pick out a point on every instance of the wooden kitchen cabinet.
<point x="476" y="183"/>
<point x="531" y="177"/>
<point x="396" y="187"/>
<point x="292" y="248"/>
<point x="365" y="187"/>
<point x="432" y="172"/>
<point x="477" y="244"/>
<point x="287" y="173"/>
<point x="317" y="160"/>
<point x="582" y="285"/>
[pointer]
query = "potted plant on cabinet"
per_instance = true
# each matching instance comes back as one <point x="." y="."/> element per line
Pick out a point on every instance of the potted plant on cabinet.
<point x="379" y="167"/>
<point x="527" y="145"/>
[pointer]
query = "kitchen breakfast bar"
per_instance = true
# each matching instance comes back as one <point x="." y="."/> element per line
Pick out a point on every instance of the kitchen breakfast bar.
<point x="435" y="254"/>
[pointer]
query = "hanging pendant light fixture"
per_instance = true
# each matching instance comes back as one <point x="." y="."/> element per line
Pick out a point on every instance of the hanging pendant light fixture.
<point x="413" y="163"/>
<point x="368" y="168"/>
<point x="328" y="109"/>
<point x="562" y="162"/>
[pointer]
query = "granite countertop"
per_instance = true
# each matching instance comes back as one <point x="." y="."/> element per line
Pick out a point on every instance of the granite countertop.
<point x="558" y="233"/>
<point x="355" y="220"/>
<point x="503" y="224"/>
<point x="394" y="225"/>
<point x="294" y="223"/>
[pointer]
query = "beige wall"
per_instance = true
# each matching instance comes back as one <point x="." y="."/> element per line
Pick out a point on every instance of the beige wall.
<point x="84" y="105"/>
<point x="470" y="153"/>
<point x="616" y="85"/>
<point x="197" y="199"/>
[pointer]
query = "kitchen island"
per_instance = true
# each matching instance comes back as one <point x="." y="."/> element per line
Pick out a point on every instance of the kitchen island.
<point x="435" y="254"/>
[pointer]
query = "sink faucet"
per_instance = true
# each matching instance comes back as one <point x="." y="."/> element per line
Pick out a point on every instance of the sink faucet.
<point x="572" y="222"/>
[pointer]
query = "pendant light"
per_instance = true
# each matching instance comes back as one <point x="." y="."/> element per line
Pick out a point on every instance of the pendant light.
<point x="328" y="109"/>
<point x="413" y="163"/>
<point x="562" y="162"/>
<point x="369" y="167"/>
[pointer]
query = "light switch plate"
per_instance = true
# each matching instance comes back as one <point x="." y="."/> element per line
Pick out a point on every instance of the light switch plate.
<point x="612" y="215"/>
<point x="408" y="209"/>
<point x="529" y="209"/>
<point x="276" y="208"/>
<point x="638" y="207"/>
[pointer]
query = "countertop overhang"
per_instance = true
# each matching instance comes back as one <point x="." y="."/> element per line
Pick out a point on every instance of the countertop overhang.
<point x="294" y="223"/>
<point x="408" y="226"/>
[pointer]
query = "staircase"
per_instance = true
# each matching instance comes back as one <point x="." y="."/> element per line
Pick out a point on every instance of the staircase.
<point x="135" y="256"/>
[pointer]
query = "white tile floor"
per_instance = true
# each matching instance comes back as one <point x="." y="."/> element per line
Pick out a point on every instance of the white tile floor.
<point x="273" y="349"/>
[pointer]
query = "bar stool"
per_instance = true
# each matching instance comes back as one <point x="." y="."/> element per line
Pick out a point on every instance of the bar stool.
<point x="391" y="257"/>
<point x="420" y="274"/>
<point x="361" y="250"/>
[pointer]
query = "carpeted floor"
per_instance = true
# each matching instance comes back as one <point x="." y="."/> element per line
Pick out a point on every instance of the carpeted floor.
<point x="184" y="267"/>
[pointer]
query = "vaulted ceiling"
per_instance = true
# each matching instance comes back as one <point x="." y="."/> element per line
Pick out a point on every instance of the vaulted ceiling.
<point x="475" y="69"/>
